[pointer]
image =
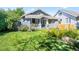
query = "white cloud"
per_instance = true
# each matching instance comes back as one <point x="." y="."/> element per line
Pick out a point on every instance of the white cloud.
<point x="64" y="7"/>
<point x="32" y="9"/>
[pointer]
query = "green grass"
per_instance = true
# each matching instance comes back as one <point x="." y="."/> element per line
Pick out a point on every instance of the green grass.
<point x="11" y="40"/>
<point x="31" y="41"/>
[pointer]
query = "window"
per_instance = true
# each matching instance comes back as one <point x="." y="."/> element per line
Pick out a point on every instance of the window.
<point x="33" y="20"/>
<point x="67" y="20"/>
<point x="28" y="19"/>
<point x="60" y="13"/>
<point x="24" y="20"/>
<point x="60" y="19"/>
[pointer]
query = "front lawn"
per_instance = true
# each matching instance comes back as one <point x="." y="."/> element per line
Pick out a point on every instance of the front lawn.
<point x="12" y="40"/>
<point x="42" y="40"/>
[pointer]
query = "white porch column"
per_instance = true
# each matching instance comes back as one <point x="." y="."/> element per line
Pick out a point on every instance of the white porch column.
<point x="30" y="24"/>
<point x="47" y="23"/>
<point x="39" y="23"/>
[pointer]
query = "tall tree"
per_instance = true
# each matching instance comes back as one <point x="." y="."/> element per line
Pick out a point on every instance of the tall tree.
<point x="3" y="17"/>
<point x="19" y="11"/>
<point x="13" y="16"/>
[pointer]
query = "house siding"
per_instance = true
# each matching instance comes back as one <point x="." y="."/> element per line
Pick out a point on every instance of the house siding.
<point x="25" y="22"/>
<point x="66" y="18"/>
<point x="67" y="21"/>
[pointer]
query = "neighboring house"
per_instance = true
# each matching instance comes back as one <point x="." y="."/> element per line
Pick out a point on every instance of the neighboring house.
<point x="67" y="19"/>
<point x="38" y="19"/>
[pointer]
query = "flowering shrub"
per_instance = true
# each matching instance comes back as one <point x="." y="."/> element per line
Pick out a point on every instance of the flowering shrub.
<point x="61" y="26"/>
<point x="66" y="26"/>
<point x="54" y="40"/>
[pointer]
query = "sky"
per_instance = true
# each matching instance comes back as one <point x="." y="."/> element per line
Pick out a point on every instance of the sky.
<point x="50" y="10"/>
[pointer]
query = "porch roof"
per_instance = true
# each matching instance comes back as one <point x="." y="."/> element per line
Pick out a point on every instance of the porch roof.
<point x="73" y="13"/>
<point x="39" y="16"/>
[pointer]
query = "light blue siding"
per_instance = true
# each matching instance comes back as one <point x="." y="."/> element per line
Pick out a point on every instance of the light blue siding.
<point x="67" y="18"/>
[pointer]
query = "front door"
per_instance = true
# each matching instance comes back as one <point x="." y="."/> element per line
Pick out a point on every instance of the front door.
<point x="43" y="23"/>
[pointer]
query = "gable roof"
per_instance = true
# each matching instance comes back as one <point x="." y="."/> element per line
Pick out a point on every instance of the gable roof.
<point x="73" y="13"/>
<point x="38" y="12"/>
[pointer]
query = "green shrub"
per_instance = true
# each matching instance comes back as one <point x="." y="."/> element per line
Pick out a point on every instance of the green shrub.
<point x="54" y="40"/>
<point x="42" y="40"/>
<point x="73" y="34"/>
<point x="47" y="41"/>
<point x="77" y="38"/>
<point x="60" y="33"/>
<point x="56" y="33"/>
<point x="33" y="27"/>
<point x="54" y="43"/>
<point x="23" y="28"/>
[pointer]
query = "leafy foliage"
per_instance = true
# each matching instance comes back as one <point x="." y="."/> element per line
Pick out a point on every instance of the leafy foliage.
<point x="3" y="23"/>
<point x="9" y="17"/>
<point x="42" y="40"/>
<point x="13" y="16"/>
<point x="23" y="28"/>
<point x="54" y="42"/>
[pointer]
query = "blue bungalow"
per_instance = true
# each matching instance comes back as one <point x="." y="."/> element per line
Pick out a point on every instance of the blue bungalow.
<point x="68" y="17"/>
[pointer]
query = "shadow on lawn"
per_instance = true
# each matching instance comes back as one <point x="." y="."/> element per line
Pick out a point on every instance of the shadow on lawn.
<point x="5" y="32"/>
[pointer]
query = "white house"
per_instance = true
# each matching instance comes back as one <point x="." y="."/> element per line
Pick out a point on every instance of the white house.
<point x="38" y="19"/>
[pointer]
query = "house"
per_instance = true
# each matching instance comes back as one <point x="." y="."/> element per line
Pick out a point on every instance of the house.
<point x="38" y="19"/>
<point x="67" y="19"/>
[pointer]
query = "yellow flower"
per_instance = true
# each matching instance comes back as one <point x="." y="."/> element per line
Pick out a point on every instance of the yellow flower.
<point x="61" y="26"/>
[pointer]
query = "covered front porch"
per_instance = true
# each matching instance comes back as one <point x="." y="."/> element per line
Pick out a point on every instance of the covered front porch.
<point x="39" y="23"/>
